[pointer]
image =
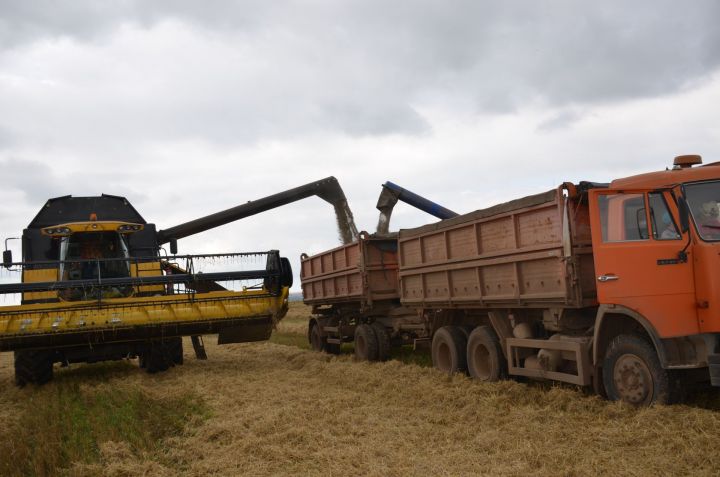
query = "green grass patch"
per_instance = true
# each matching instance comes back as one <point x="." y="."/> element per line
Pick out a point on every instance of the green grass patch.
<point x="290" y="339"/>
<point x="66" y="421"/>
<point x="407" y="355"/>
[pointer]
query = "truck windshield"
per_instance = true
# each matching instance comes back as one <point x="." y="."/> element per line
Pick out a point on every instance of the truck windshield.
<point x="703" y="201"/>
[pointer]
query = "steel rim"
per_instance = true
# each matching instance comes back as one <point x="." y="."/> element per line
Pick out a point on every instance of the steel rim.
<point x="315" y="339"/>
<point x="444" y="361"/>
<point x="633" y="380"/>
<point x="481" y="366"/>
<point x="361" y="346"/>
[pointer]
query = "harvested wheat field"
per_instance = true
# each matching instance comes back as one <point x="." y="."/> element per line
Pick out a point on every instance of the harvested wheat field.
<point x="277" y="409"/>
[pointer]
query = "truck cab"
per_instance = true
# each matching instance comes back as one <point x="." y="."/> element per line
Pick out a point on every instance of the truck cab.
<point x="656" y="249"/>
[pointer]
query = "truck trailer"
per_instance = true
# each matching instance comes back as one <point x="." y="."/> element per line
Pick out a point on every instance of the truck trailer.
<point x="613" y="285"/>
<point x="353" y="289"/>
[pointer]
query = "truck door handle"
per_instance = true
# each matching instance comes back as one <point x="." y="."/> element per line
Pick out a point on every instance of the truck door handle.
<point x="608" y="278"/>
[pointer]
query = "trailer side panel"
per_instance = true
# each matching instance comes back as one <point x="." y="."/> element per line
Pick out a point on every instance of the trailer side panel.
<point x="364" y="271"/>
<point x="533" y="252"/>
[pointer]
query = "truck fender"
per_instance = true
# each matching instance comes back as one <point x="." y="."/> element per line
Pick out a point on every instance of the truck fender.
<point x="605" y="316"/>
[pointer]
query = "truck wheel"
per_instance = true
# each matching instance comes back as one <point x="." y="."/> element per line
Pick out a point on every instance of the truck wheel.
<point x="485" y="360"/>
<point x="33" y="367"/>
<point x="383" y="339"/>
<point x="632" y="373"/>
<point x="366" y="343"/>
<point x="316" y="340"/>
<point x="466" y="330"/>
<point x="449" y="350"/>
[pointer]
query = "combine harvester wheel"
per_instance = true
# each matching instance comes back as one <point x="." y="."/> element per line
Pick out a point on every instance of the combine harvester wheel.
<point x="33" y="367"/>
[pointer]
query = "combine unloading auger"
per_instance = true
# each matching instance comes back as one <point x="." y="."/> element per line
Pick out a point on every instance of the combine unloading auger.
<point x="390" y="195"/>
<point x="327" y="189"/>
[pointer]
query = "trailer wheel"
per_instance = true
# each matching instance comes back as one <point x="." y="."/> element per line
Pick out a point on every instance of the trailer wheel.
<point x="366" y="343"/>
<point x="466" y="330"/>
<point x="33" y="367"/>
<point x="449" y="350"/>
<point x="315" y="338"/>
<point x="485" y="360"/>
<point x="632" y="373"/>
<point x="383" y="339"/>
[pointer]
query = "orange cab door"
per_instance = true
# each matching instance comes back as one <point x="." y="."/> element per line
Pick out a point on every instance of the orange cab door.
<point x="635" y="245"/>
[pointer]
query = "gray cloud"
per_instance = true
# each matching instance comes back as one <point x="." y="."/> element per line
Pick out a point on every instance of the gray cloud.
<point x="560" y="120"/>
<point x="188" y="108"/>
<point x="34" y="179"/>
<point x="496" y="56"/>
<point x="7" y="139"/>
<point x="38" y="181"/>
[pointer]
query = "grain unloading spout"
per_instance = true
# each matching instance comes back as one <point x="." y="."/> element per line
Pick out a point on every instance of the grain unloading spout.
<point x="389" y="196"/>
<point x="327" y="189"/>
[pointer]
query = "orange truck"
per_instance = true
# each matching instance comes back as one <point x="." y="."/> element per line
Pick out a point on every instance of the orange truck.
<point x="615" y="286"/>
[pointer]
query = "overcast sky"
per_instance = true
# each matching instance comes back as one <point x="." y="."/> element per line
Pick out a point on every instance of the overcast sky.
<point x="187" y="108"/>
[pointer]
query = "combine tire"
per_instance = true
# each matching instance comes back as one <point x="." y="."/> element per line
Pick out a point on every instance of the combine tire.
<point x="157" y="357"/>
<point x="383" y="340"/>
<point x="366" y="343"/>
<point x="175" y="345"/>
<point x="449" y="350"/>
<point x="632" y="373"/>
<point x="33" y="367"/>
<point x="485" y="360"/>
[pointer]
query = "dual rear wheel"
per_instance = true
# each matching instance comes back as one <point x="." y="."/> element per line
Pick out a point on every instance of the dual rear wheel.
<point x="632" y="371"/>
<point x="477" y="351"/>
<point x="372" y="342"/>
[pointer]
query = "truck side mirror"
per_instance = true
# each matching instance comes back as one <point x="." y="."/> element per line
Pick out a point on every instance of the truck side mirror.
<point x="173" y="246"/>
<point x="7" y="258"/>
<point x="684" y="212"/>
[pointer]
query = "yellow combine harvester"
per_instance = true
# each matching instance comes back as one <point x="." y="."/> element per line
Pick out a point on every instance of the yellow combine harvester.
<point x="97" y="286"/>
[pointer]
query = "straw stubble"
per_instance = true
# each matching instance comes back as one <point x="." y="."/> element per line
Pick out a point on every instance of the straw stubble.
<point x="279" y="410"/>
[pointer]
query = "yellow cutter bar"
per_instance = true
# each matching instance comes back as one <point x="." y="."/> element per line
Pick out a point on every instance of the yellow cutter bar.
<point x="52" y="318"/>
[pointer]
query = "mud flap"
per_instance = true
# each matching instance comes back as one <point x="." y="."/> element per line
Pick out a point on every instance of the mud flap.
<point x="714" y="365"/>
<point x="245" y="333"/>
